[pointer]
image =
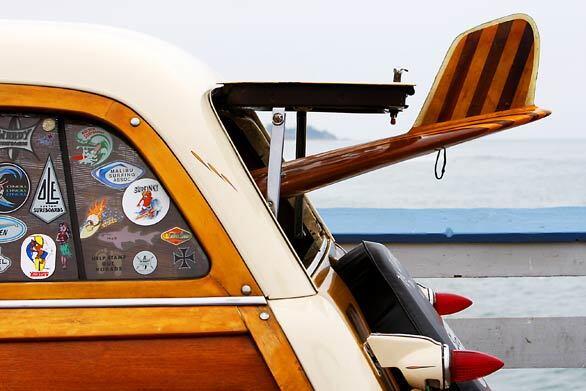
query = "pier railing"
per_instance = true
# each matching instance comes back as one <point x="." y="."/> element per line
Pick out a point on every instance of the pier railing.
<point x="487" y="243"/>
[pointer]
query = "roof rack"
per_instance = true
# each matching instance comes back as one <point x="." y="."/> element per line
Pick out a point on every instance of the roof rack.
<point x="319" y="97"/>
<point x="302" y="98"/>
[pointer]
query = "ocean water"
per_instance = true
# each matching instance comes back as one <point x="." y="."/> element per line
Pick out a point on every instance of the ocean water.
<point x="489" y="172"/>
<point x="494" y="172"/>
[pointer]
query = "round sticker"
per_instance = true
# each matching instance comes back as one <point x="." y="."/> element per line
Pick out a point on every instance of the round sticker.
<point x="14" y="187"/>
<point x="49" y="124"/>
<point x="145" y="202"/>
<point x="144" y="262"/>
<point x="37" y="256"/>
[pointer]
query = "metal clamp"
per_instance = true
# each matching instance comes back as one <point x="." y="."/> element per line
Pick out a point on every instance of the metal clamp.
<point x="276" y="159"/>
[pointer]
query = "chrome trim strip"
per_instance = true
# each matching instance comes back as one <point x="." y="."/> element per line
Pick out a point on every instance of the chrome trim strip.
<point x="135" y="302"/>
<point x="319" y="256"/>
<point x="446" y="355"/>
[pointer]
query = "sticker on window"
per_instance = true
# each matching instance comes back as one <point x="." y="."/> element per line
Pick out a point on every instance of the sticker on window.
<point x="117" y="175"/>
<point x="124" y="238"/>
<point x="145" y="262"/>
<point x="98" y="216"/>
<point x="63" y="239"/>
<point x="108" y="261"/>
<point x="145" y="202"/>
<point x="183" y="258"/>
<point x="48" y="203"/>
<point x="95" y="146"/>
<point x="11" y="229"/>
<point x="176" y="236"/>
<point x="17" y="138"/>
<point x="14" y="187"/>
<point x="5" y="262"/>
<point x="37" y="256"/>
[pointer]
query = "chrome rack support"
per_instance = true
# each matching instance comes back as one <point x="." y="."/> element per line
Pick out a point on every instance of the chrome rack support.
<point x="300" y="150"/>
<point x="276" y="159"/>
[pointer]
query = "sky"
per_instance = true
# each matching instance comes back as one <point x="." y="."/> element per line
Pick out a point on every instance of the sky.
<point x="347" y="41"/>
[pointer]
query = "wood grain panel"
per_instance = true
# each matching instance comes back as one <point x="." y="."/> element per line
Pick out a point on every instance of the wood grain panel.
<point x="228" y="272"/>
<point x="206" y="363"/>
<point x="63" y="323"/>
<point x="275" y="349"/>
<point x="522" y="57"/>
<point x="443" y="78"/>
<point x="500" y="77"/>
<point x="477" y="64"/>
<point x="451" y="100"/>
<point x="525" y="81"/>
<point x="486" y="77"/>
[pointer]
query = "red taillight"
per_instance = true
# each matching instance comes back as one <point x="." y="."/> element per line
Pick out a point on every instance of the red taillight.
<point x="466" y="365"/>
<point x="449" y="303"/>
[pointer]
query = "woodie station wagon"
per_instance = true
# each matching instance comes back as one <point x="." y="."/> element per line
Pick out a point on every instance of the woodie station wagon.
<point x="153" y="238"/>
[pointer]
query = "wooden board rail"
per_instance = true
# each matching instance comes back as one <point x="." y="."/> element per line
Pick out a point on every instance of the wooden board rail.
<point x="526" y="342"/>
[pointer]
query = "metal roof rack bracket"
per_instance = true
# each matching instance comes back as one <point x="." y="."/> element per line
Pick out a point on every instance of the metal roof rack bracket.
<point x="276" y="159"/>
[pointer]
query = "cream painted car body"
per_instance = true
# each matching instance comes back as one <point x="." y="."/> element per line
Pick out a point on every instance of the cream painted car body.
<point x="163" y="84"/>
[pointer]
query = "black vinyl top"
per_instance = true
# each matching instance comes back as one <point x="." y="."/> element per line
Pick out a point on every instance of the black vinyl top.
<point x="321" y="97"/>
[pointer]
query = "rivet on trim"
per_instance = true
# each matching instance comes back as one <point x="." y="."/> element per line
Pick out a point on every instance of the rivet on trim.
<point x="134" y="121"/>
<point x="246" y="290"/>
<point x="264" y="315"/>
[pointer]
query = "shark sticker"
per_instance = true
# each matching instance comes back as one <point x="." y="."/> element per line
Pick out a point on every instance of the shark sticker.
<point x="124" y="238"/>
<point x="17" y="138"/>
<point x="145" y="202"/>
<point x="11" y="229"/>
<point x="176" y="236"/>
<point x="117" y="175"/>
<point x="95" y="146"/>
<point x="145" y="262"/>
<point x="48" y="203"/>
<point x="37" y="256"/>
<point x="14" y="187"/>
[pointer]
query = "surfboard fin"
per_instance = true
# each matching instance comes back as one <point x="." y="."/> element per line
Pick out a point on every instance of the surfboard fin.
<point x="486" y="84"/>
<point x="490" y="68"/>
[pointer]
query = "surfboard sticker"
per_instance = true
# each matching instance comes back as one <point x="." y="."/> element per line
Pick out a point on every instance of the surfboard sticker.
<point x="145" y="202"/>
<point x="37" y="256"/>
<point x="144" y="262"/>
<point x="99" y="216"/>
<point x="48" y="203"/>
<point x="117" y="175"/>
<point x="95" y="146"/>
<point x="14" y="187"/>
<point x="11" y="229"/>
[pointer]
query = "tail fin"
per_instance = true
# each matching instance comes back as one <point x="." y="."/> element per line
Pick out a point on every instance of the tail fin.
<point x="490" y="68"/>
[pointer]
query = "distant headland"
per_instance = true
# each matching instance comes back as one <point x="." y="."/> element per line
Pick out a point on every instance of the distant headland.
<point x="312" y="133"/>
